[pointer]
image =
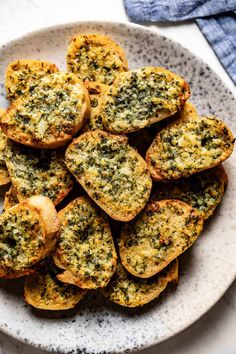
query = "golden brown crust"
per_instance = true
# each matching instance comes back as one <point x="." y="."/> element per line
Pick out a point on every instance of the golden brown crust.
<point x="134" y="100"/>
<point x="22" y="74"/>
<point x="203" y="190"/>
<point x="163" y="231"/>
<point x="189" y="146"/>
<point x="4" y="175"/>
<point x="44" y="291"/>
<point x="129" y="291"/>
<point x="112" y="173"/>
<point x="96" y="93"/>
<point x="93" y="57"/>
<point x="29" y="234"/>
<point x="85" y="248"/>
<point x="50" y="114"/>
<point x="10" y="199"/>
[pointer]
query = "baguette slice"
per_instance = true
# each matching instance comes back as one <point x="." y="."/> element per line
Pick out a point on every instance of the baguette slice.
<point x="38" y="172"/>
<point x="163" y="231"/>
<point x="44" y="291"/>
<point x="49" y="114"/>
<point x="93" y="57"/>
<point x="96" y="94"/>
<point x="129" y="291"/>
<point x="112" y="173"/>
<point x="189" y="146"/>
<point x="142" y="97"/>
<point x="85" y="249"/>
<point x="203" y="191"/>
<point x="28" y="233"/>
<point x="10" y="199"/>
<point x="23" y="74"/>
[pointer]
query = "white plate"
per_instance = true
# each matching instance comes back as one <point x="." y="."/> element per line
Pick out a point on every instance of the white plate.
<point x="207" y="269"/>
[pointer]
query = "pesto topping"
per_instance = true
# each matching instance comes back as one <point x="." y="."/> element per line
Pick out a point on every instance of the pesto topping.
<point x="202" y="191"/>
<point x="111" y="172"/>
<point x="161" y="233"/>
<point x="95" y="58"/>
<point x="38" y="172"/>
<point x="21" y="75"/>
<point x="52" y="109"/>
<point x="190" y="146"/>
<point x="43" y="290"/>
<point x="127" y="290"/>
<point x="141" y="97"/>
<point x="85" y="245"/>
<point x="21" y="238"/>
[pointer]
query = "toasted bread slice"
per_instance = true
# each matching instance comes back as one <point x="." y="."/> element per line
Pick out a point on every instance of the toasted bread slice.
<point x="22" y="74"/>
<point x="163" y="231"/>
<point x="189" y="146"/>
<point x="112" y="173"/>
<point x="203" y="191"/>
<point x="49" y="114"/>
<point x="44" y="291"/>
<point x="85" y="248"/>
<point x="38" y="172"/>
<point x="93" y="57"/>
<point x="129" y="291"/>
<point x="29" y="232"/>
<point x="96" y="93"/>
<point x="141" y="97"/>
<point x="10" y="199"/>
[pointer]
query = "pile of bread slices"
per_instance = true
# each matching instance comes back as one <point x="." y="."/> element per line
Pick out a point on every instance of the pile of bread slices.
<point x="112" y="175"/>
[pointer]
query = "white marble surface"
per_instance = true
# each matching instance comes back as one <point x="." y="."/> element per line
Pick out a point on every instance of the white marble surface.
<point x="215" y="332"/>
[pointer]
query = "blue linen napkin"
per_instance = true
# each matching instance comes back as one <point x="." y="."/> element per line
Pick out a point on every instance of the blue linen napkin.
<point x="215" y="18"/>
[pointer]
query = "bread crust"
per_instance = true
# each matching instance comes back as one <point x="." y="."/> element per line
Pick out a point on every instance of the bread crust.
<point x="141" y="97"/>
<point x="189" y="146"/>
<point x="38" y="172"/>
<point x="85" y="248"/>
<point x="113" y="174"/>
<point x="29" y="233"/>
<point x="203" y="191"/>
<point x="96" y="92"/>
<point x="4" y="175"/>
<point x="42" y="290"/>
<point x="50" y="114"/>
<point x="129" y="291"/>
<point x="10" y="199"/>
<point x="93" y="57"/>
<point x="24" y="73"/>
<point x="163" y="231"/>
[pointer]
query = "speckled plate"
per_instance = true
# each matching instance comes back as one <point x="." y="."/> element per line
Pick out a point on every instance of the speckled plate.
<point x="208" y="269"/>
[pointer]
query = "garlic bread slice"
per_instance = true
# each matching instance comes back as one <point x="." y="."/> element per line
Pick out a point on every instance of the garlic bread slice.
<point x="141" y="97"/>
<point x="129" y="291"/>
<point x="22" y="74"/>
<point x="4" y="175"/>
<point x="28" y="233"/>
<point x="11" y="198"/>
<point x="189" y="146"/>
<point x="49" y="114"/>
<point x="85" y="248"/>
<point x="44" y="291"/>
<point x="203" y="191"/>
<point x="96" y="92"/>
<point x="112" y="173"/>
<point x="163" y="231"/>
<point x="38" y="172"/>
<point x="93" y="57"/>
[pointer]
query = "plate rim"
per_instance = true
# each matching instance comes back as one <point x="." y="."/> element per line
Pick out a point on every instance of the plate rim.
<point x="62" y="25"/>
